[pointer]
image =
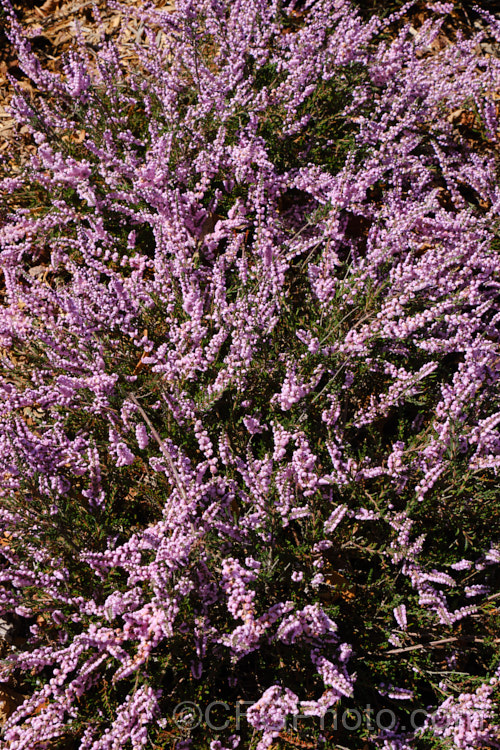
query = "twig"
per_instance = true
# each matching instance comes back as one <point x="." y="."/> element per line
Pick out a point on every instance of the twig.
<point x="492" y="596"/>
<point x="163" y="449"/>
<point x="54" y="17"/>
<point x="438" y="643"/>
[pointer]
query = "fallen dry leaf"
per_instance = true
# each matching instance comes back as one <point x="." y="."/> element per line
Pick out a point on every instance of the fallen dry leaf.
<point x="10" y="699"/>
<point x="49" y="6"/>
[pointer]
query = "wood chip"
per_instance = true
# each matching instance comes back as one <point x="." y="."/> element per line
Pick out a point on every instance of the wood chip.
<point x="49" y="6"/>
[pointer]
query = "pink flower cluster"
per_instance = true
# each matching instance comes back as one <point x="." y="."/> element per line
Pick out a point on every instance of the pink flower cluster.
<point x="250" y="366"/>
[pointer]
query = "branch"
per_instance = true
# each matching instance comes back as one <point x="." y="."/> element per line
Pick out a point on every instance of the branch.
<point x="438" y="643"/>
<point x="163" y="448"/>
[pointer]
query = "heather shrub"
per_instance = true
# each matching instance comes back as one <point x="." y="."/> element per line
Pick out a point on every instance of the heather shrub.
<point x="249" y="385"/>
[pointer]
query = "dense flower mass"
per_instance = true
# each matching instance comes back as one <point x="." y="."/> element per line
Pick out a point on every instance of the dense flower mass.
<point x="249" y="381"/>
